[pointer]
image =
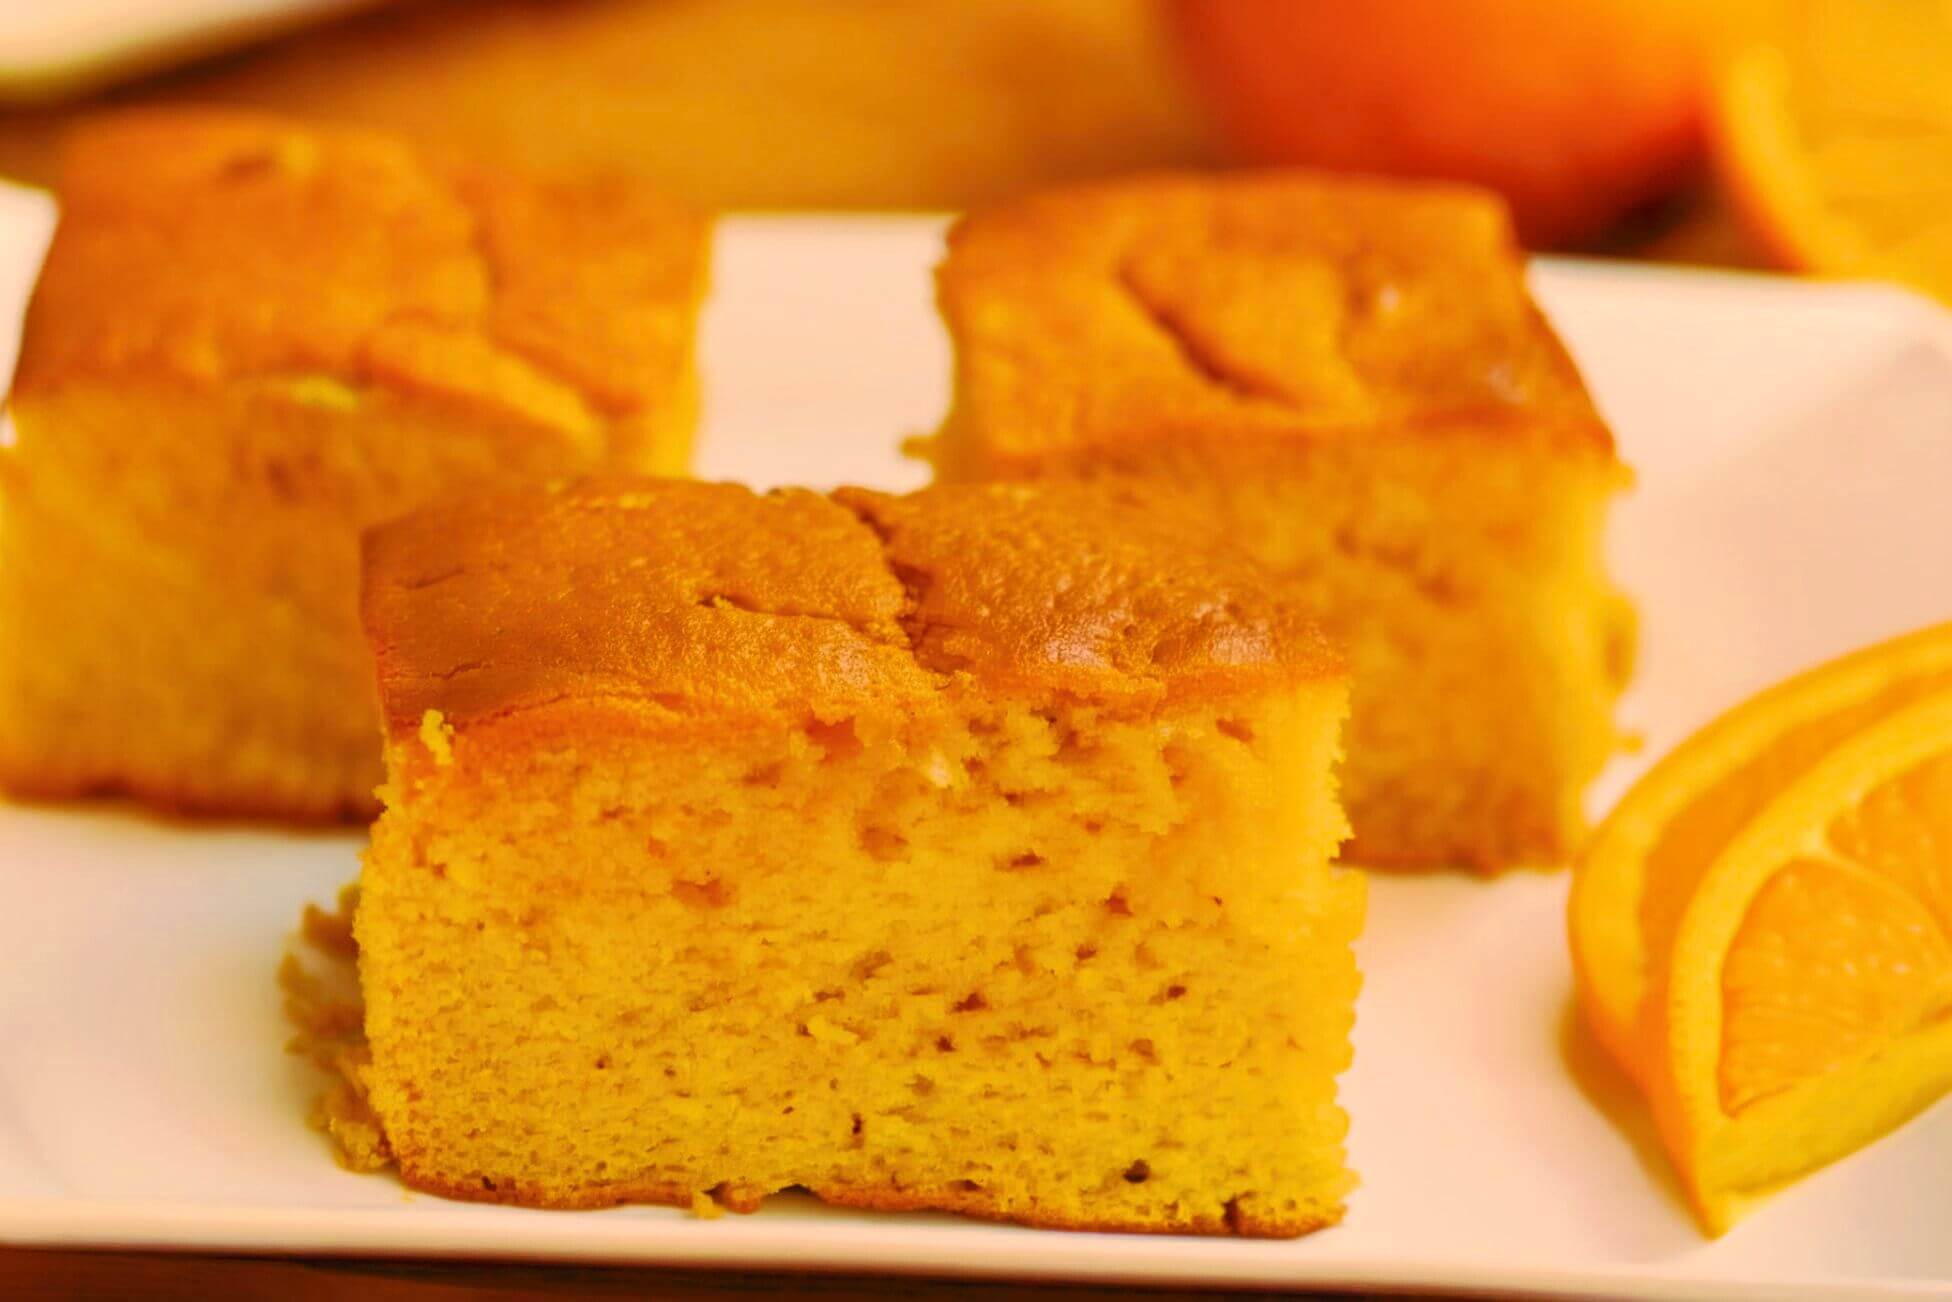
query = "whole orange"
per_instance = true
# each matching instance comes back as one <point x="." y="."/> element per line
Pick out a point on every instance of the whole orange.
<point x="1576" y="110"/>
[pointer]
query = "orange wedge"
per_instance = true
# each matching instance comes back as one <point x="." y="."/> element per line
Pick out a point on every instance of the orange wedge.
<point x="1760" y="929"/>
<point x="1835" y="139"/>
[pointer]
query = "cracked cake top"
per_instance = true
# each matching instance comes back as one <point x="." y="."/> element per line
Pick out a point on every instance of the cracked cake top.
<point x="677" y="605"/>
<point x="201" y="247"/>
<point x="1272" y="305"/>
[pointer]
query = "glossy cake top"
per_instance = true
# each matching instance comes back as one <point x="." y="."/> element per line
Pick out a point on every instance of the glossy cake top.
<point x="1271" y="304"/>
<point x="672" y="603"/>
<point x="205" y="246"/>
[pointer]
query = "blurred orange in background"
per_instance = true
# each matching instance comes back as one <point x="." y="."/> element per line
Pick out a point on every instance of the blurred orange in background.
<point x="1576" y="110"/>
<point x="1834" y="139"/>
<point x="1832" y="122"/>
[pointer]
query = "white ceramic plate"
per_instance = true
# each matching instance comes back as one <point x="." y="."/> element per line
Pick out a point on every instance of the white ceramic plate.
<point x="1794" y="446"/>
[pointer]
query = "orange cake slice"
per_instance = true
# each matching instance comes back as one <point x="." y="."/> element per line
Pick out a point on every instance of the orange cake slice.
<point x="968" y="850"/>
<point x="250" y="340"/>
<point x="1349" y="378"/>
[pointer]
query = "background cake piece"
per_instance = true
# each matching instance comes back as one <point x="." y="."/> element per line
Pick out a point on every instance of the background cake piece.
<point x="251" y="339"/>
<point x="1349" y="379"/>
<point x="965" y="851"/>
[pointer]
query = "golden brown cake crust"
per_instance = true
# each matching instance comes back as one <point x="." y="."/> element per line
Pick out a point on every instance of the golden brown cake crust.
<point x="671" y="604"/>
<point x="1266" y="305"/>
<point x="201" y="246"/>
<point x="669" y="600"/>
<point x="1097" y="590"/>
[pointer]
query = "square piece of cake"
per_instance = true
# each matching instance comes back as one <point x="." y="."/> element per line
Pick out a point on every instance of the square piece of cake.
<point x="251" y="339"/>
<point x="968" y="850"/>
<point x="1350" y="379"/>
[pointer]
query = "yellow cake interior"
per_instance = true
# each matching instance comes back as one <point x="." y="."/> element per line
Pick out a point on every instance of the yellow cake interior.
<point x="1465" y="577"/>
<point x="179" y="578"/>
<point x="1053" y="963"/>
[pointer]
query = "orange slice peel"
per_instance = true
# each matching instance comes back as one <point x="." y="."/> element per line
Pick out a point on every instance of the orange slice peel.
<point x="1762" y="930"/>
